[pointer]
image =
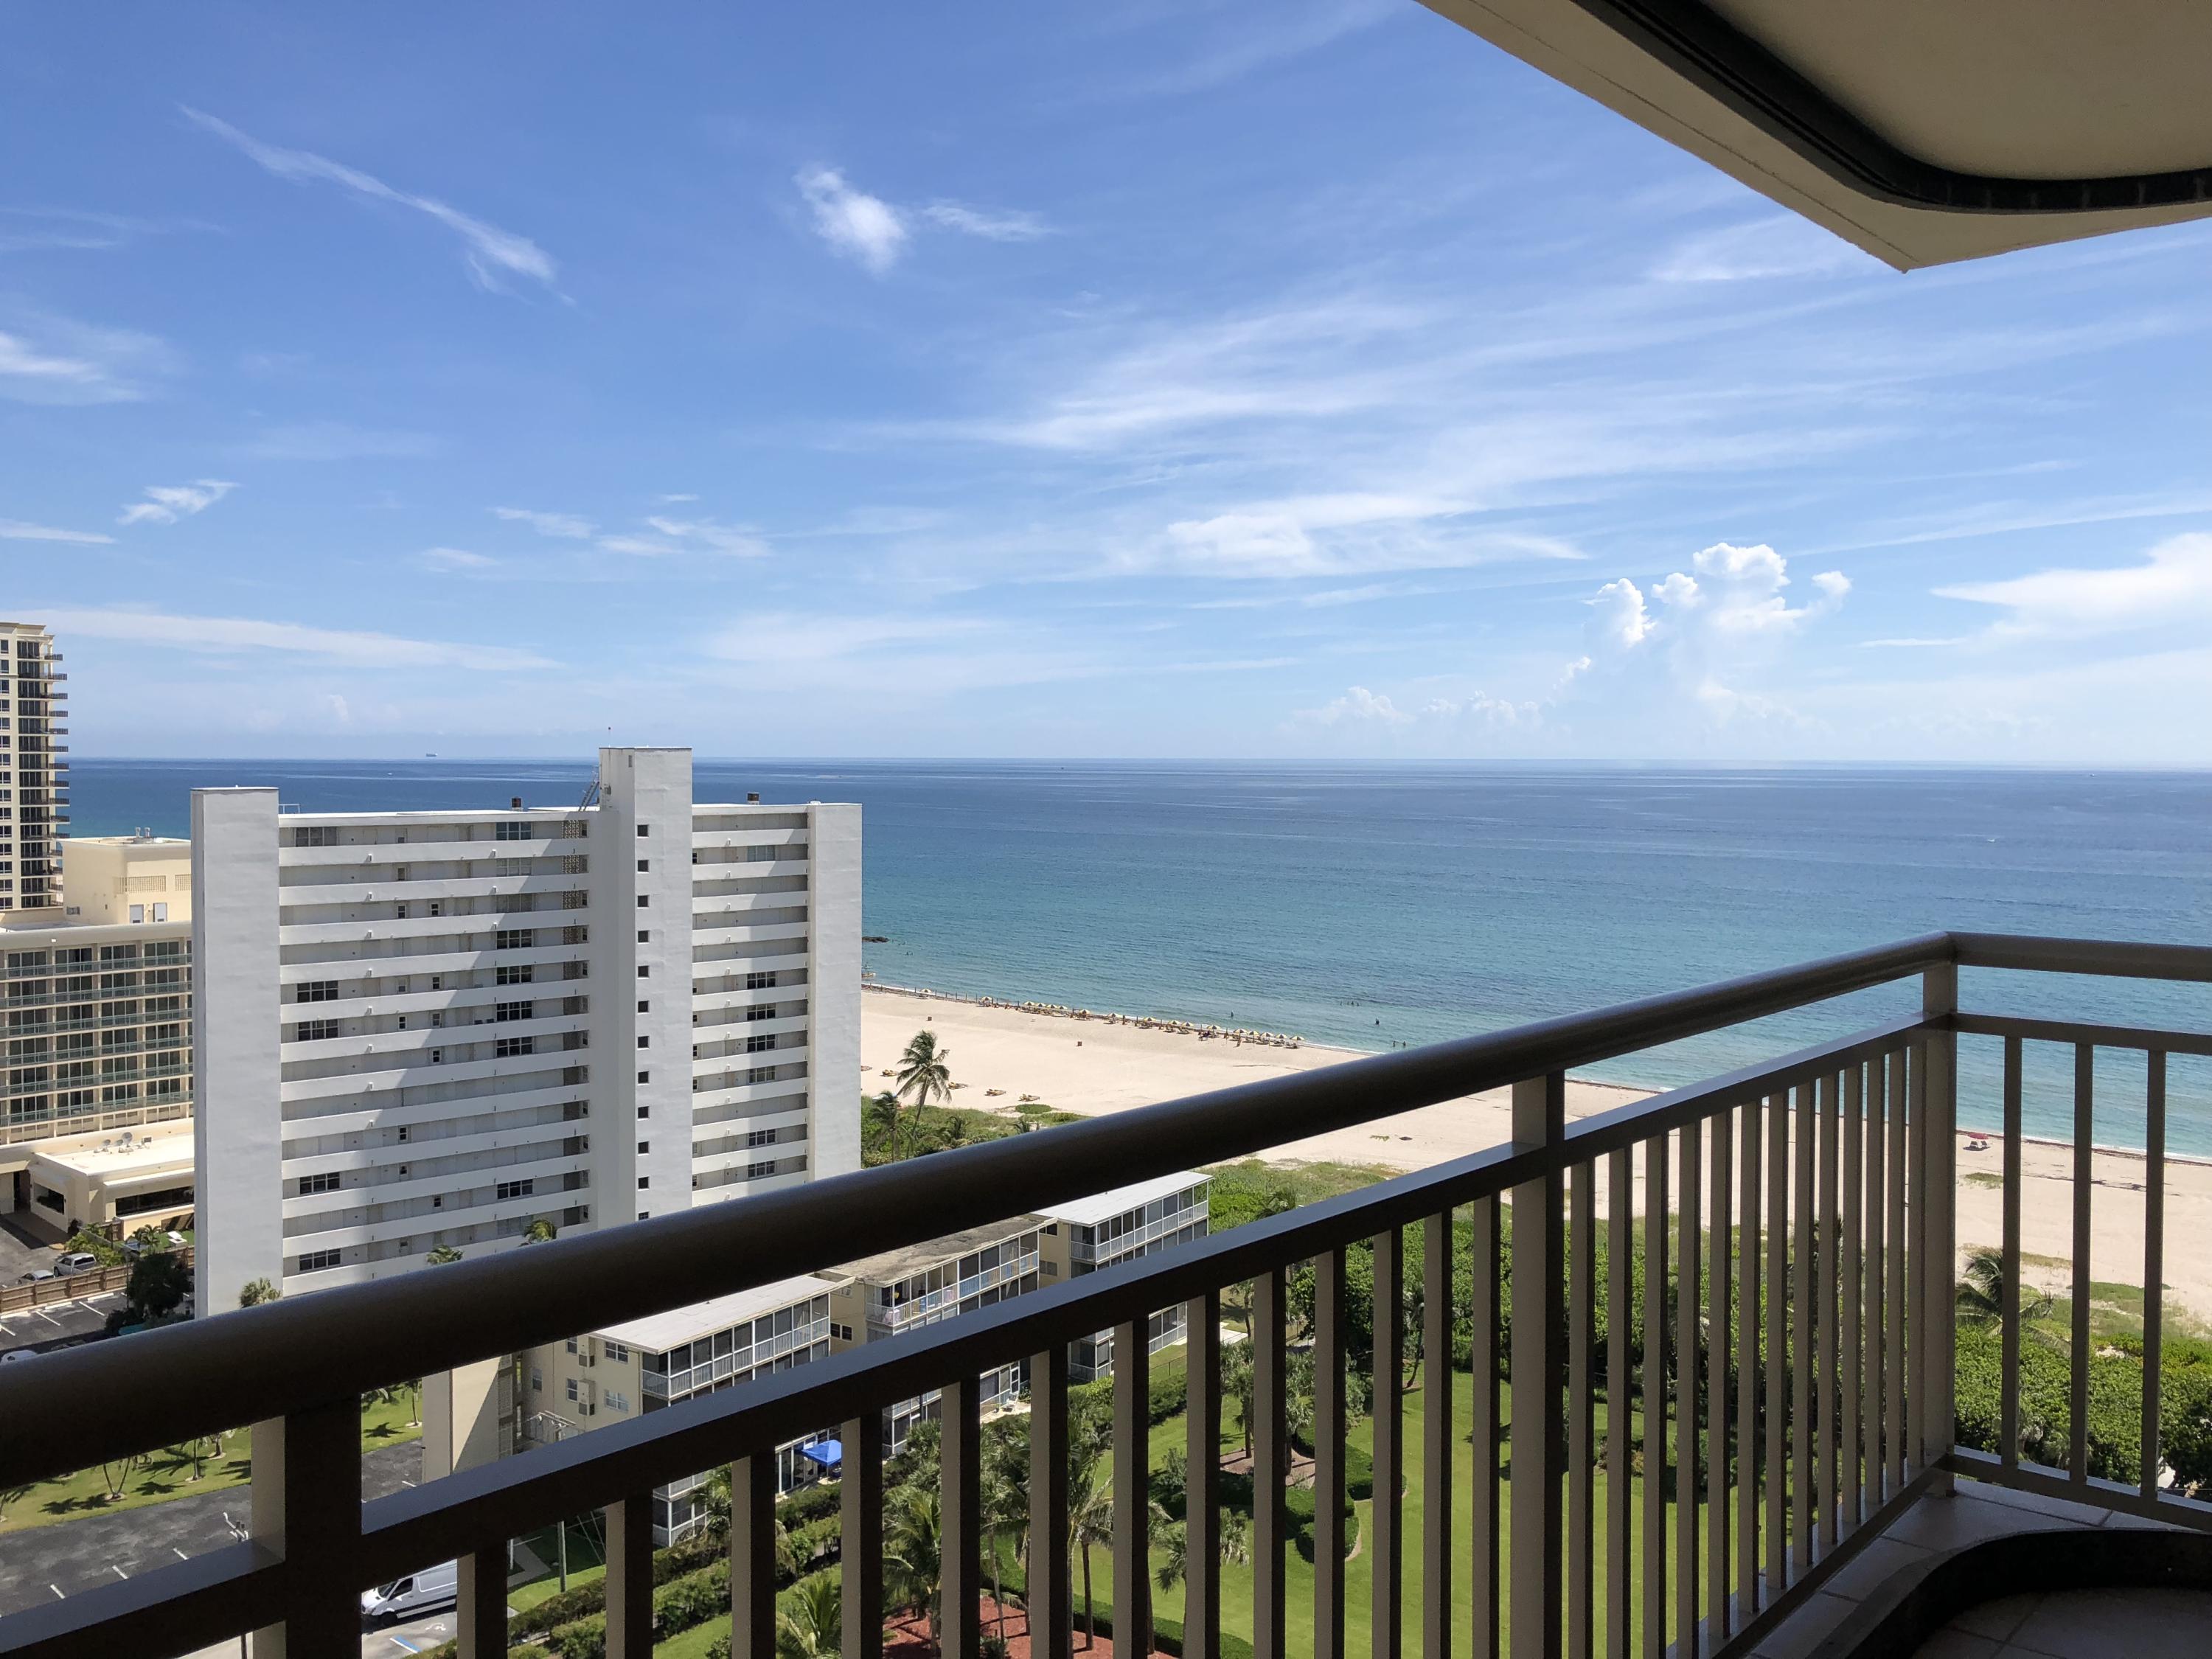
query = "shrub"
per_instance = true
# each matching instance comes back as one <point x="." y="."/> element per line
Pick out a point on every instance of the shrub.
<point x="1165" y="1396"/>
<point x="808" y="1504"/>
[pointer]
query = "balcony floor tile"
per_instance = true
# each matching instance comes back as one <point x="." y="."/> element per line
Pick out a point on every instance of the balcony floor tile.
<point x="2142" y="1624"/>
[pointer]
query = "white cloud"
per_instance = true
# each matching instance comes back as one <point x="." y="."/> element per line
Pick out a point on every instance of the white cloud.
<point x="225" y="635"/>
<point x="992" y="227"/>
<point x="1357" y="706"/>
<point x="455" y="558"/>
<point x="856" y="224"/>
<point x="715" y="537"/>
<point x="568" y="526"/>
<point x="643" y="547"/>
<point x="674" y="500"/>
<point x="167" y="503"/>
<point x="872" y="231"/>
<point x="15" y="530"/>
<point x="2172" y="584"/>
<point x="1781" y="244"/>
<point x="489" y="252"/>
<point x="50" y="360"/>
<point x="1698" y="633"/>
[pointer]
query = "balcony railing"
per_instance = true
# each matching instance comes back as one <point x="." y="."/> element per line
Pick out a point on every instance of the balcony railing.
<point x="1811" y="1196"/>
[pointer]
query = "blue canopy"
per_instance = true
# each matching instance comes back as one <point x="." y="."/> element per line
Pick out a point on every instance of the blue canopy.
<point x="828" y="1453"/>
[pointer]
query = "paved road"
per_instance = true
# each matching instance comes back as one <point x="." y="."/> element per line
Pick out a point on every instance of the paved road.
<point x="22" y="1250"/>
<point x="69" y="1557"/>
<point x="395" y="1642"/>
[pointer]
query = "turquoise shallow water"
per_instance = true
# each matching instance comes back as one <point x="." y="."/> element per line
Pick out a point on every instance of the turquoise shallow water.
<point x="1376" y="905"/>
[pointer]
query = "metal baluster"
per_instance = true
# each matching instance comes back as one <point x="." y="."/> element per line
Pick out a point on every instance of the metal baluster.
<point x="2009" y="1378"/>
<point x="960" y="1507"/>
<point x="2077" y="1462"/>
<point x="1051" y="1604"/>
<point x="1619" y="1398"/>
<point x="1720" y="1260"/>
<point x="1271" y="1466"/>
<point x="307" y="1503"/>
<point x="1329" y="1540"/>
<point x="1899" y="1251"/>
<point x="1824" y="1265"/>
<point x="1202" y="1581"/>
<point x="480" y="1604"/>
<point x="1690" y="1155"/>
<point x="1850" y="1303"/>
<point x="1877" y="1356"/>
<point x="1540" y="1451"/>
<point x="753" y="1548"/>
<point x="1750" y="1239"/>
<point x="1582" y="1415"/>
<point x="1916" y="1248"/>
<point x="1939" y="1002"/>
<point x="1655" y="1397"/>
<point x="630" y="1579"/>
<point x="860" y="1535"/>
<point x="1801" y="1359"/>
<point x="1133" y="1492"/>
<point x="1436" y="1435"/>
<point x="1387" y="1570"/>
<point x="2153" y="1262"/>
<point x="1777" y="1344"/>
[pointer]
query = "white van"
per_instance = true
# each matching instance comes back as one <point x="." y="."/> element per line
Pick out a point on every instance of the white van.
<point x="426" y="1591"/>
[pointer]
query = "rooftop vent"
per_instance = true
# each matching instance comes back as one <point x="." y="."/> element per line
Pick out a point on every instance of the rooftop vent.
<point x="752" y="798"/>
<point x="514" y="803"/>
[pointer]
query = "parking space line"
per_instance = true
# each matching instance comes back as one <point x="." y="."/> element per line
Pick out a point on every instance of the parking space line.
<point x="181" y="1556"/>
<point x="118" y="1571"/>
<point x="57" y="1589"/>
<point x="403" y="1644"/>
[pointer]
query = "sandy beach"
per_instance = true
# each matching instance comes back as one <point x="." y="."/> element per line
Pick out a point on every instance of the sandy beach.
<point x="1094" y="1065"/>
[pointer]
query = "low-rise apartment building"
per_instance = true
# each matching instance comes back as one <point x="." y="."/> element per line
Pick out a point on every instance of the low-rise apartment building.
<point x="1139" y="1219"/>
<point x="614" y="1374"/>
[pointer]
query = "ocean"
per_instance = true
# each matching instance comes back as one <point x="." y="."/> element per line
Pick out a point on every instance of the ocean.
<point x="1373" y="905"/>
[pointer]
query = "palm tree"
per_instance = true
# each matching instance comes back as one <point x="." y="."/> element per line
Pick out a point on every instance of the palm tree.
<point x="810" y="1624"/>
<point x="879" y="1123"/>
<point x="539" y="1231"/>
<point x="1090" y="1523"/>
<point x="1173" y="1537"/>
<point x="1236" y="1385"/>
<point x="914" y="1549"/>
<point x="715" y="1500"/>
<point x="1980" y="1298"/>
<point x="1006" y="1510"/>
<point x="441" y="1255"/>
<point x="924" y="1070"/>
<point x="255" y="1292"/>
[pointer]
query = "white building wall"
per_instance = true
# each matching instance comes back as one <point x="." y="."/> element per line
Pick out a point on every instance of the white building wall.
<point x="642" y="957"/>
<point x="236" y="1147"/>
<point x="833" y="976"/>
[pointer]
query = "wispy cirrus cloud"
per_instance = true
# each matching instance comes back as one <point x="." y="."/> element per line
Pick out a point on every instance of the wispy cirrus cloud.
<point x="32" y="230"/>
<point x="873" y="232"/>
<point x="335" y="441"/>
<point x="2172" y="584"/>
<point x="167" y="503"/>
<point x="454" y="558"/>
<point x="16" y="530"/>
<point x="565" y="526"/>
<point x="490" y="254"/>
<point x="217" y="636"/>
<point x="714" y="538"/>
<point x="45" y="358"/>
<point x="1777" y="245"/>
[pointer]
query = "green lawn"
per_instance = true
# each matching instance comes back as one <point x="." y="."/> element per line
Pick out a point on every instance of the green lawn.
<point x="162" y="1475"/>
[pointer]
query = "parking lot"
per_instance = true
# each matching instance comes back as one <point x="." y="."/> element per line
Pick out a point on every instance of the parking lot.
<point x="59" y="1325"/>
<point x="22" y="1251"/>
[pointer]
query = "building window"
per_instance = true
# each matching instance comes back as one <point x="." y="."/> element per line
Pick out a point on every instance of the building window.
<point x="643" y="830"/>
<point x="644" y="865"/>
<point x="137" y="913"/>
<point x="314" y="1030"/>
<point x="537" y="1380"/>
<point x="317" y="835"/>
<point x="644" y="937"/>
<point x="642" y="901"/>
<point x="327" y="1183"/>
<point x="437" y="1056"/>
<point x="315" y="1262"/>
<point x="760" y="982"/>
<point x="759" y="1043"/>
<point x="644" y="970"/>
<point x="513" y="975"/>
<point x="511" y="830"/>
<point x="618" y="1402"/>
<point x="508" y="1189"/>
<point x="618" y="1353"/>
<point x="757" y="1171"/>
<point x="572" y="1387"/>
<point x="645" y="1042"/>
<point x="161" y="911"/>
<point x="760" y="1138"/>
<point x="511" y="939"/>
<point x="761" y="1011"/>
<point x="645" y="1076"/>
<point x="509" y="1047"/>
<point x="513" y="1011"/>
<point x="643" y="1147"/>
<point x="760" y="1074"/>
<point x="317" y="990"/>
<point x="644" y="1182"/>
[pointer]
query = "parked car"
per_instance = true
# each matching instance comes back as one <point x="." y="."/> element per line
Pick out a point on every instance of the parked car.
<point x="37" y="1276"/>
<point x="130" y="1244"/>
<point x="76" y="1262"/>
<point x="426" y="1591"/>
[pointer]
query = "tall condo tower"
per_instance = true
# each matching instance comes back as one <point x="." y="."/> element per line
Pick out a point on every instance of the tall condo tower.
<point x="33" y="775"/>
<point x="430" y="1030"/>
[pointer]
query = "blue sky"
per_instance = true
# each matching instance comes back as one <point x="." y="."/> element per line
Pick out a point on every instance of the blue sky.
<point x="1191" y="379"/>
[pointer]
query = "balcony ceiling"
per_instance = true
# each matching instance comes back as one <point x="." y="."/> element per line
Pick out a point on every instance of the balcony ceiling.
<point x="1923" y="131"/>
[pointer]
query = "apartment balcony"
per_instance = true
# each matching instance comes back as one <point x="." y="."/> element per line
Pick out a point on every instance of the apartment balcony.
<point x="1779" y="1468"/>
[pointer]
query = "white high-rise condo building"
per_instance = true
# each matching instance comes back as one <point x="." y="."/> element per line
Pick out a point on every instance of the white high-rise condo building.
<point x="33" y="776"/>
<point x="425" y="1030"/>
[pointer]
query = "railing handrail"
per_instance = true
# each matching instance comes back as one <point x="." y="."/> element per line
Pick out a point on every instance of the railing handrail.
<point x="298" y="1353"/>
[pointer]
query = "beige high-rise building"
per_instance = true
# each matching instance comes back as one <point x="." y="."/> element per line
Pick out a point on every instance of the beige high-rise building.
<point x="33" y="776"/>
